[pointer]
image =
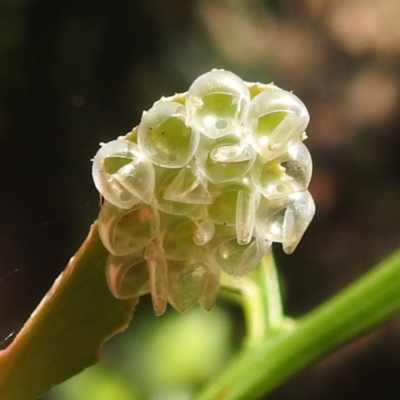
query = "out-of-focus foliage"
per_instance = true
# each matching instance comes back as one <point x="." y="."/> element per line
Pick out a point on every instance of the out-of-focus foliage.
<point x="166" y="361"/>
<point x="75" y="73"/>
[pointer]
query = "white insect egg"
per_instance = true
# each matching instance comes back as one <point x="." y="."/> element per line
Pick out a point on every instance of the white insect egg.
<point x="286" y="174"/>
<point x="165" y="138"/>
<point x="127" y="276"/>
<point x="191" y="282"/>
<point x="276" y="118"/>
<point x="224" y="159"/>
<point x="217" y="103"/>
<point x="124" y="232"/>
<point x="122" y="174"/>
<point x="236" y="259"/>
<point x="285" y="219"/>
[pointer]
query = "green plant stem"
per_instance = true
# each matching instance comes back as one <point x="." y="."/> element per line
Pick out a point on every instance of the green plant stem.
<point x="260" y="298"/>
<point x="66" y="332"/>
<point x="260" y="368"/>
<point x="248" y="294"/>
<point x="271" y="293"/>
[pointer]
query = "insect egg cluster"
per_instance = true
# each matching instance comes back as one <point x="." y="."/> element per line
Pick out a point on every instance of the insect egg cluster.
<point x="206" y="182"/>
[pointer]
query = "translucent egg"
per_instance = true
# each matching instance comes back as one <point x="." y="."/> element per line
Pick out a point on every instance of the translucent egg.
<point x="285" y="219"/>
<point x="224" y="159"/>
<point x="164" y="137"/>
<point x="158" y="271"/>
<point x="246" y="204"/>
<point x="289" y="173"/>
<point x="188" y="186"/>
<point x="234" y="204"/>
<point x="122" y="174"/>
<point x="223" y="209"/>
<point x="124" y="232"/>
<point x="178" y="243"/>
<point x="128" y="276"/>
<point x="236" y="259"/>
<point x="209" y="295"/>
<point x="276" y="118"/>
<point x="216" y="103"/>
<point x="164" y="179"/>
<point x="187" y="281"/>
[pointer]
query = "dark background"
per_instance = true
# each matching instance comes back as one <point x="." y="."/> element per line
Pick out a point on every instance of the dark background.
<point x="76" y="73"/>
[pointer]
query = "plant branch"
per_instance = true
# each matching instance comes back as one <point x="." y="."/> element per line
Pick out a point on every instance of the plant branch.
<point x="259" y="294"/>
<point x="257" y="370"/>
<point x="65" y="333"/>
<point x="268" y="280"/>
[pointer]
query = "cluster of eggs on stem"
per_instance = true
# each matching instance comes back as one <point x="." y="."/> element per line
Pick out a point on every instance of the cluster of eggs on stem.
<point x="206" y="182"/>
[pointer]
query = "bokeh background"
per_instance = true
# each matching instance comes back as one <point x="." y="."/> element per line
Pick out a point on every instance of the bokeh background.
<point x="74" y="73"/>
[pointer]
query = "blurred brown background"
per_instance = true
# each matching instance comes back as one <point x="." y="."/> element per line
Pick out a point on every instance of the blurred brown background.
<point x="75" y="73"/>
